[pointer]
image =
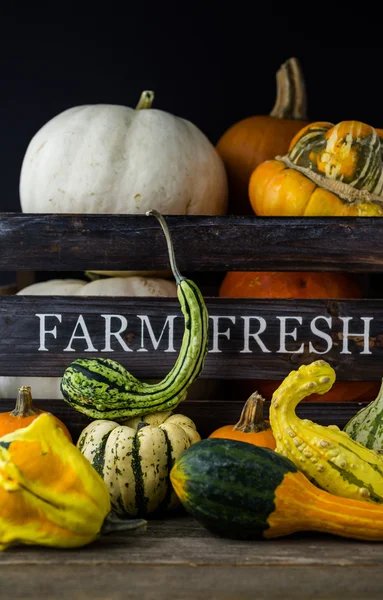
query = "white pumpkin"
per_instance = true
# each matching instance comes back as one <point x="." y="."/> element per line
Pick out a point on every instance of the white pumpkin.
<point x="106" y="158"/>
<point x="112" y="286"/>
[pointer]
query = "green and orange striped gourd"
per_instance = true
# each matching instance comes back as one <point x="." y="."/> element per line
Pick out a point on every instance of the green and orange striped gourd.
<point x="239" y="490"/>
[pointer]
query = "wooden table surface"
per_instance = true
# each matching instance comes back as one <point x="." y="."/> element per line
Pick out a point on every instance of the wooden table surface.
<point x="177" y="559"/>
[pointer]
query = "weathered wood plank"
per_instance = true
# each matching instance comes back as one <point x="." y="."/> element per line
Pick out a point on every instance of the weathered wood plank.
<point x="178" y="558"/>
<point x="211" y="582"/>
<point x="181" y="540"/>
<point x="208" y="415"/>
<point x="115" y="242"/>
<point x="248" y="338"/>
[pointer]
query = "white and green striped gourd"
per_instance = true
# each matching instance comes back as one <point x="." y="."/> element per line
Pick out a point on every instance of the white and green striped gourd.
<point x="135" y="459"/>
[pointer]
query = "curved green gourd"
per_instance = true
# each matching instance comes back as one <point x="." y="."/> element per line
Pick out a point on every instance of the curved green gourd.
<point x="102" y="388"/>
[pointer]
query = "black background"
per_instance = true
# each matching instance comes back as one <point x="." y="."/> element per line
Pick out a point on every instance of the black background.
<point x="211" y="63"/>
<point x="207" y="63"/>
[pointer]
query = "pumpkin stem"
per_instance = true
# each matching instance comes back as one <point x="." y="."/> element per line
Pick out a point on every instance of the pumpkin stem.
<point x="291" y="102"/>
<point x="24" y="404"/>
<point x="177" y="275"/>
<point x="252" y="419"/>
<point x="345" y="191"/>
<point x="146" y="100"/>
<point x="113" y="522"/>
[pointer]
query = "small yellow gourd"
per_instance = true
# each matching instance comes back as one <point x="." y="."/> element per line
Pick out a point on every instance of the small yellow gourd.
<point x="326" y="455"/>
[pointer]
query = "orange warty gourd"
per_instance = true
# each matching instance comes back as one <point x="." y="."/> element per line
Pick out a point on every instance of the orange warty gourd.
<point x="24" y="413"/>
<point x="251" y="427"/>
<point x="329" y="170"/>
<point x="273" y="284"/>
<point x="258" y="138"/>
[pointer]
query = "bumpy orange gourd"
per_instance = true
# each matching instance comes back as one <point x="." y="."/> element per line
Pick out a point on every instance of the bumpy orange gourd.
<point x="330" y="170"/>
<point x="258" y="138"/>
<point x="251" y="427"/>
<point x="24" y="413"/>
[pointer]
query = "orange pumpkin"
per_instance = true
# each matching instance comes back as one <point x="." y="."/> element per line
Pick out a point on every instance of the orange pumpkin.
<point x="274" y="284"/>
<point x="258" y="138"/>
<point x="23" y="414"/>
<point x="265" y="284"/>
<point x="330" y="170"/>
<point x="251" y="427"/>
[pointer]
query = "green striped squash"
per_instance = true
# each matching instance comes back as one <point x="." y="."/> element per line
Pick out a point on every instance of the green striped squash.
<point x="239" y="490"/>
<point x="102" y="388"/>
<point x="366" y="427"/>
<point x="135" y="459"/>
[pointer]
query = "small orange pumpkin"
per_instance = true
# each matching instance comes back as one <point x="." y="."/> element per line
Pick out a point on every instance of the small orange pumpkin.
<point x="251" y="427"/>
<point x="330" y="170"/>
<point x="24" y="413"/>
<point x="258" y="138"/>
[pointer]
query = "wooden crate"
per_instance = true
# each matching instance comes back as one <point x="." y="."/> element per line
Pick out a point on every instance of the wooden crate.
<point x="37" y="340"/>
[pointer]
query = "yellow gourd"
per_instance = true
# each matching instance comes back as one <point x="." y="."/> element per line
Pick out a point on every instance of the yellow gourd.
<point x="49" y="493"/>
<point x="326" y="455"/>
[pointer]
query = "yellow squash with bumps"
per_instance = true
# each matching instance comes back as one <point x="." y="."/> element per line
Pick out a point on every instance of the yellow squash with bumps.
<point x="326" y="455"/>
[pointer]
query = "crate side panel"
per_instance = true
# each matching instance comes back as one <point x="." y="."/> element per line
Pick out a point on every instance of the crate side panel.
<point x="58" y="242"/>
<point x="252" y="339"/>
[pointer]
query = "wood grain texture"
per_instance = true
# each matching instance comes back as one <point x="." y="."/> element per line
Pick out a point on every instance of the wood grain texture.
<point x="59" y="242"/>
<point x="178" y="558"/>
<point x="20" y="336"/>
<point x="208" y="415"/>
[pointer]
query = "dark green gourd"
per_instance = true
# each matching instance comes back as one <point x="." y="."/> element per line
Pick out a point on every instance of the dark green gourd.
<point x="102" y="388"/>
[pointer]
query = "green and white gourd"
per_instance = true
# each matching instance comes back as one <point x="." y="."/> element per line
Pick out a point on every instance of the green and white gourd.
<point x="102" y="388"/>
<point x="366" y="427"/>
<point x="135" y="459"/>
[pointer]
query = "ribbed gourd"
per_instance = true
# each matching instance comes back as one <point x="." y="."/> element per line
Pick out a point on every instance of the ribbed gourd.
<point x="326" y="455"/>
<point x="330" y="170"/>
<point x="135" y="458"/>
<point x="102" y="388"/>
<point x="366" y="427"/>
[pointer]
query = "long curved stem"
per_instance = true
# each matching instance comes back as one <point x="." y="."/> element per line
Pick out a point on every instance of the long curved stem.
<point x="177" y="275"/>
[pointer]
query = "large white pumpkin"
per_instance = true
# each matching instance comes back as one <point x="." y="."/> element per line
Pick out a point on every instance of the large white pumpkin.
<point x="111" y="286"/>
<point x="114" y="159"/>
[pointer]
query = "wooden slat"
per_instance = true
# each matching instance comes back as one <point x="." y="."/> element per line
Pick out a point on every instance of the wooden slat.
<point x="116" y="242"/>
<point x="226" y="359"/>
<point x="208" y="415"/>
<point x="177" y="558"/>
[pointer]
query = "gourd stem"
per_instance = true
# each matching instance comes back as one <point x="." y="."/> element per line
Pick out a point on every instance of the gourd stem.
<point x="291" y="100"/>
<point x="146" y="100"/>
<point x="177" y="275"/>
<point x="113" y="522"/>
<point x="24" y="405"/>
<point x="343" y="190"/>
<point x="251" y="419"/>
